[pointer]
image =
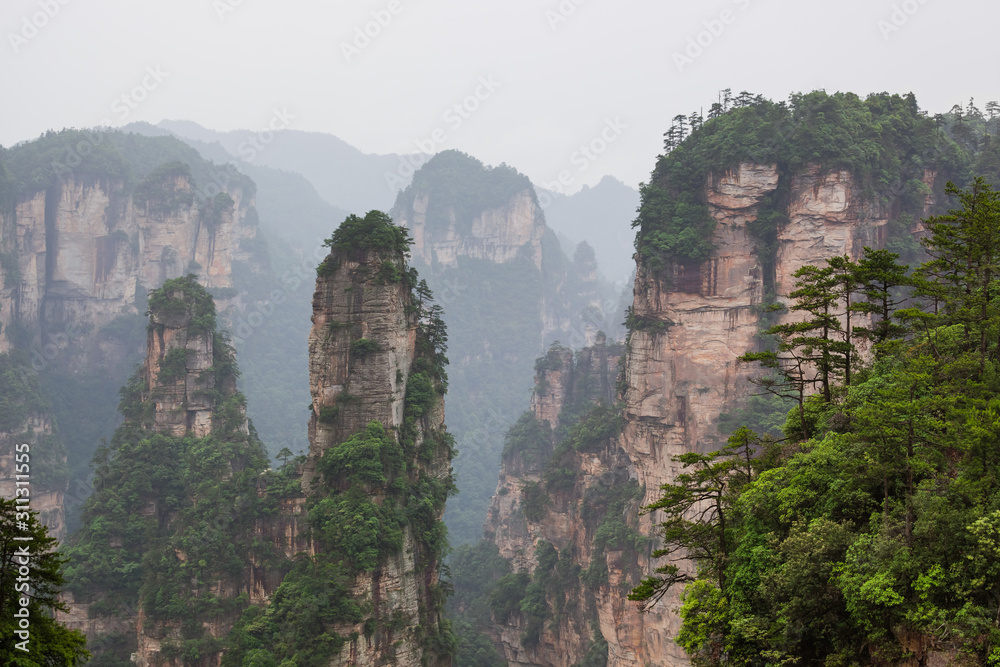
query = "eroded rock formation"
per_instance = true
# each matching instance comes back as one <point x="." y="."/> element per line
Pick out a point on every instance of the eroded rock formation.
<point x="551" y="503"/>
<point x="81" y="255"/>
<point x="689" y="324"/>
<point x="372" y="361"/>
<point x="85" y="250"/>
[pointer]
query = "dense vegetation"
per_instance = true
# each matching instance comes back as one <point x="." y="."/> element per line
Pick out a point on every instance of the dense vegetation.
<point x="462" y="187"/>
<point x="885" y="141"/>
<point x="277" y="296"/>
<point x="869" y="532"/>
<point x="375" y="231"/>
<point x="487" y="591"/>
<point x="22" y="401"/>
<point x="381" y="492"/>
<point x="31" y="579"/>
<point x="172" y="517"/>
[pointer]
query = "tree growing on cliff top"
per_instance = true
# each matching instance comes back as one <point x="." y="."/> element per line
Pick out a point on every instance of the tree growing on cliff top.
<point x="874" y="540"/>
<point x="374" y="231"/>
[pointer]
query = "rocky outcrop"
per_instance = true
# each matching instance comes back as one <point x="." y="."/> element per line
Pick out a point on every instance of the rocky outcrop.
<point x="369" y="361"/>
<point x="170" y="520"/>
<point x="688" y="325"/>
<point x="826" y="217"/>
<point x="178" y="369"/>
<point x="352" y="384"/>
<point x="496" y="235"/>
<point x="80" y="255"/>
<point x="508" y="290"/>
<point x="85" y="251"/>
<point x="572" y="511"/>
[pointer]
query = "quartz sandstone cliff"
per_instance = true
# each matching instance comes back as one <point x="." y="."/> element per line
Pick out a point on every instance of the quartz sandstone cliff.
<point x="184" y="391"/>
<point x="495" y="234"/>
<point x="509" y="290"/>
<point x="564" y="383"/>
<point x="350" y="388"/>
<point x="85" y="252"/>
<point x="680" y="376"/>
<point x="84" y="249"/>
<point x="690" y="324"/>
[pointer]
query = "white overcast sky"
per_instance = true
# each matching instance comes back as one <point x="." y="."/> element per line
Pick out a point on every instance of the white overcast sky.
<point x="559" y="82"/>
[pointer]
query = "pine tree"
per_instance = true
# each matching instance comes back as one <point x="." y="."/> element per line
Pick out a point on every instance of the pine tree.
<point x="698" y="506"/>
<point x="47" y="641"/>
<point x="964" y="246"/>
<point x="879" y="275"/>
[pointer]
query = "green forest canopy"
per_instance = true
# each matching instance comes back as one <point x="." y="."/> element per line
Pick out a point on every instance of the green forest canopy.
<point x="872" y="530"/>
<point x="886" y="141"/>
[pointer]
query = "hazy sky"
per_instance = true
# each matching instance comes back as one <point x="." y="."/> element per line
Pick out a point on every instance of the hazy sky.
<point x="534" y="80"/>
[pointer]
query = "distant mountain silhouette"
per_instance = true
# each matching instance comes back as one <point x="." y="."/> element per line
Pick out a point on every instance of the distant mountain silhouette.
<point x="344" y="176"/>
<point x="601" y="215"/>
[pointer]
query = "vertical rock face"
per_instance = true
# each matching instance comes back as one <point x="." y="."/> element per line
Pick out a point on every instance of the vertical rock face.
<point x="682" y="370"/>
<point x="169" y="532"/>
<point x="689" y="324"/>
<point x="827" y="217"/>
<point x="353" y="387"/>
<point x="178" y="368"/>
<point x="568" y="520"/>
<point x="368" y="362"/>
<point x="84" y="250"/>
<point x="481" y="241"/>
<point x="496" y="234"/>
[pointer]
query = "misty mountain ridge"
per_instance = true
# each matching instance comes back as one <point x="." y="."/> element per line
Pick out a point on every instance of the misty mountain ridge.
<point x="343" y="175"/>
<point x="349" y="180"/>
<point x="600" y="215"/>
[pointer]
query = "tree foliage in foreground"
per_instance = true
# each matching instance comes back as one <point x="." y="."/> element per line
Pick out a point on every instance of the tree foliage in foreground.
<point x="877" y="520"/>
<point x="48" y="642"/>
